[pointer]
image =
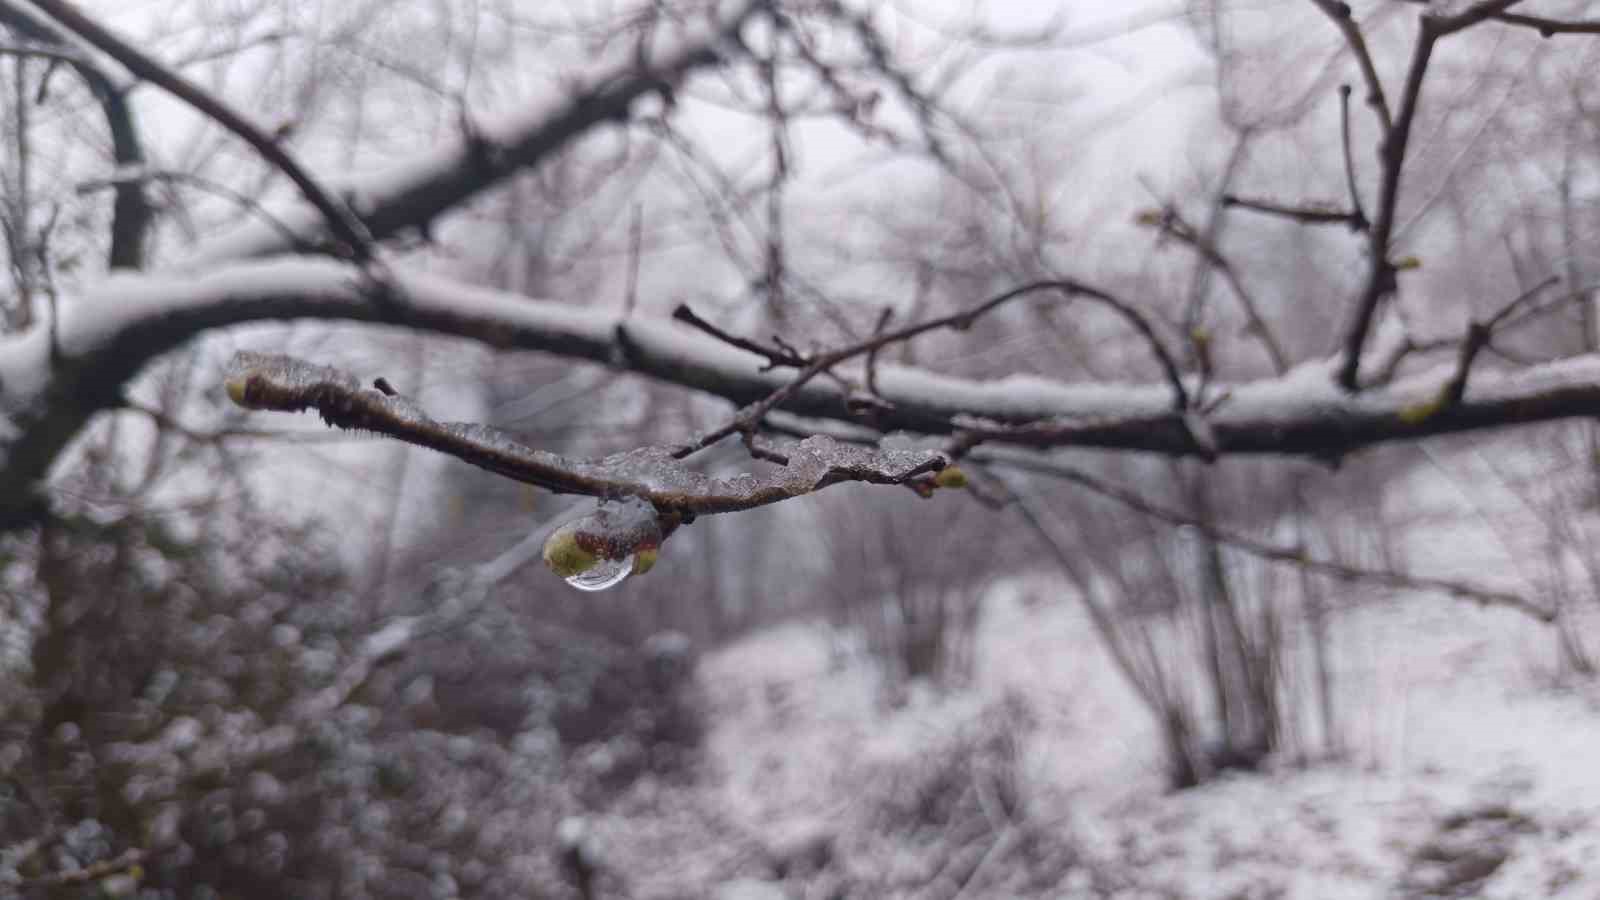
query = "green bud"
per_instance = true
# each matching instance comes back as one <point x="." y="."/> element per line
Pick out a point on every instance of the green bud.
<point x="564" y="555"/>
<point x="237" y="386"/>
<point x="1417" y="413"/>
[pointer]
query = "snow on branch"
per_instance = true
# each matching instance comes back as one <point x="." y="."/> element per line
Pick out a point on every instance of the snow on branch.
<point x="132" y="319"/>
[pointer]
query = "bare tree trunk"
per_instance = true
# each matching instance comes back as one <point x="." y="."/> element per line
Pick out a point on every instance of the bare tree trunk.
<point x="1317" y="623"/>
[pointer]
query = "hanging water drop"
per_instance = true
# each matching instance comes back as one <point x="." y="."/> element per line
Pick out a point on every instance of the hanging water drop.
<point x="603" y="574"/>
<point x="600" y="549"/>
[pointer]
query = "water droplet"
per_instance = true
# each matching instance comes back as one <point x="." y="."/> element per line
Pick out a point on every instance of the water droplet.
<point x="604" y="574"/>
<point x="597" y="550"/>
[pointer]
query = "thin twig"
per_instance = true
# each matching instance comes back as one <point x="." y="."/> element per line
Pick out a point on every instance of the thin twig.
<point x="872" y="355"/>
<point x="243" y="201"/>
<point x="1380" y="281"/>
<point x="1478" y="12"/>
<point x="877" y="52"/>
<point x="1381" y="273"/>
<point x="630" y="297"/>
<point x="776" y="256"/>
<point x="1358" y="216"/>
<point x="1261" y="549"/>
<point x="748" y="419"/>
<point x="775" y="356"/>
<point x="1345" y="21"/>
<point x="58" y="54"/>
<point x="1549" y="27"/>
<point x="1500" y="317"/>
<point x="1173" y="224"/>
<point x="1304" y="215"/>
<point x="1478" y="336"/>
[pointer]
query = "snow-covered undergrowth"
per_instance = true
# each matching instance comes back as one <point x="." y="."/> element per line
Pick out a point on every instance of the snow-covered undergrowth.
<point x="1468" y="773"/>
<point x="1470" y="763"/>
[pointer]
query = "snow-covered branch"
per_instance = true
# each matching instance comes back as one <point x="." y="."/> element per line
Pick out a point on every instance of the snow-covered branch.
<point x="53" y="379"/>
<point x="56" y="376"/>
<point x="107" y="335"/>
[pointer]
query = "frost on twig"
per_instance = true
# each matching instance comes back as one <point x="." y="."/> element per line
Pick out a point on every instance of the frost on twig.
<point x="284" y="384"/>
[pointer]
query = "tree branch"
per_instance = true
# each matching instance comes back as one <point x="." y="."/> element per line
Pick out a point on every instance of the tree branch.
<point x="46" y="401"/>
<point x="1263" y="550"/>
<point x="1302" y="215"/>
<point x="1172" y="224"/>
<point x="1548" y="27"/>
<point x="1479" y="334"/>
<point x="414" y="193"/>
<point x="281" y="384"/>
<point x="1358" y="216"/>
<point x="1344" y="20"/>
<point x="749" y="419"/>
<point x="107" y="336"/>
<point x="343" y="221"/>
<point x="131" y="212"/>
<point x="1380" y="281"/>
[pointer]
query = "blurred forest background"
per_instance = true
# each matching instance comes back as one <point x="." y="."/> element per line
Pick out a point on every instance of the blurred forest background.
<point x="245" y="656"/>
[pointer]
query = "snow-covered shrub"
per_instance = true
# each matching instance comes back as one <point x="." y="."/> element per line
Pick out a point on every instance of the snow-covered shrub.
<point x="200" y="711"/>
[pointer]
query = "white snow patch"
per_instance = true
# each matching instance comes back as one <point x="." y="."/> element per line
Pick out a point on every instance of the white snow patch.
<point x="1448" y="712"/>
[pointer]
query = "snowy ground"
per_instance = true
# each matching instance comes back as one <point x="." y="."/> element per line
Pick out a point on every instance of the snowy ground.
<point x="1470" y="772"/>
<point x="1464" y="760"/>
<point x="1467" y="767"/>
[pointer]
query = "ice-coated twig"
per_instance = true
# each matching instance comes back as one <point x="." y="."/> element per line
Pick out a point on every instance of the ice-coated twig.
<point x="283" y="384"/>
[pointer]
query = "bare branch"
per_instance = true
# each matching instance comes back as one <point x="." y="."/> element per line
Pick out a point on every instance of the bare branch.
<point x="414" y="193"/>
<point x="1172" y="224"/>
<point x="1549" y="27"/>
<point x="410" y="195"/>
<point x="36" y="51"/>
<point x="1380" y="281"/>
<point x="749" y="419"/>
<point x="776" y="356"/>
<point x="1344" y="20"/>
<point x="872" y="355"/>
<point x="243" y="201"/>
<point x="343" y="221"/>
<point x="1478" y="336"/>
<point x="1304" y="215"/>
<point x="1478" y="12"/>
<point x="131" y="212"/>
<point x="872" y="42"/>
<point x="1358" y="216"/>
<point x="1261" y="549"/>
